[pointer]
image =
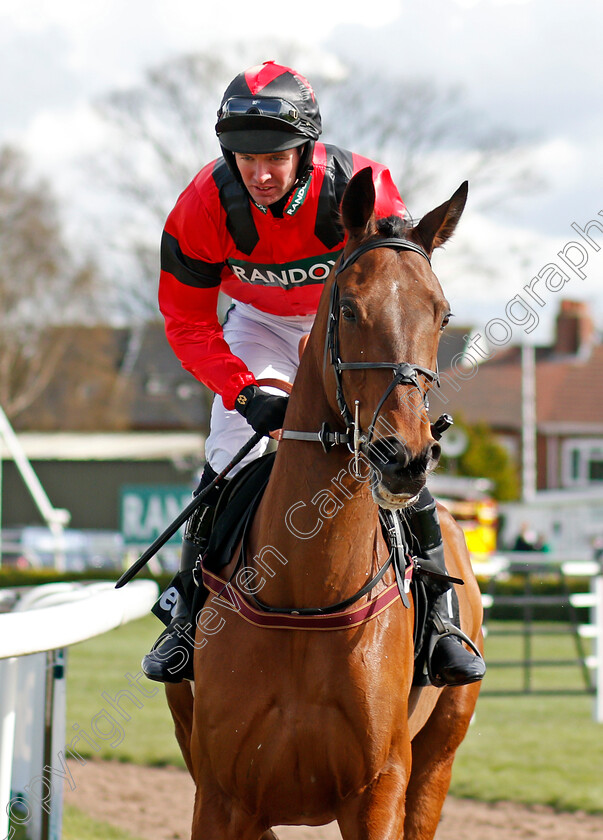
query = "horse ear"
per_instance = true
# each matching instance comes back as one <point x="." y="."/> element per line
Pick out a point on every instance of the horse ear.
<point x="437" y="227"/>
<point x="358" y="203"/>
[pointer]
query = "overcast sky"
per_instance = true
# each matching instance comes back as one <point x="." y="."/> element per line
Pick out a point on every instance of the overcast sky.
<point x="533" y="65"/>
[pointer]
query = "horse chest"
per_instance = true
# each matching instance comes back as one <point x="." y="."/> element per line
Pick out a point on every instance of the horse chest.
<point x="303" y="758"/>
<point x="320" y="721"/>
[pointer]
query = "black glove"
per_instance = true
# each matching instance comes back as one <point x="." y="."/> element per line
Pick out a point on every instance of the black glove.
<point x="264" y="412"/>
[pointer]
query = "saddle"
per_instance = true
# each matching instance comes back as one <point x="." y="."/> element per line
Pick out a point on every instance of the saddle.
<point x="237" y="506"/>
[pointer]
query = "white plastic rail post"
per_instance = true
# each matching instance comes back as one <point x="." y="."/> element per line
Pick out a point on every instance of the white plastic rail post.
<point x="55" y="518"/>
<point x="8" y="711"/>
<point x="598" y="584"/>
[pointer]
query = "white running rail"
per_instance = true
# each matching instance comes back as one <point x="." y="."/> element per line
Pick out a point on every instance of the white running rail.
<point x="47" y="620"/>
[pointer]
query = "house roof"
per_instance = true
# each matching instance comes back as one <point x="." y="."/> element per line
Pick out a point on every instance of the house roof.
<point x="115" y="380"/>
<point x="452" y="345"/>
<point x="569" y="391"/>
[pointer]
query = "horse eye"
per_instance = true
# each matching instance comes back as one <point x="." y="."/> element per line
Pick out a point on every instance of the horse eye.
<point x="446" y="321"/>
<point x="347" y="313"/>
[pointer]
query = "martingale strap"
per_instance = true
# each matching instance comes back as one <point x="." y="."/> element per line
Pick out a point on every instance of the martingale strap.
<point x="346" y="619"/>
<point x="339" y="616"/>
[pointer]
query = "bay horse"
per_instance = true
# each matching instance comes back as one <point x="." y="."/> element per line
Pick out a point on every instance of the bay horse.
<point x="302" y="728"/>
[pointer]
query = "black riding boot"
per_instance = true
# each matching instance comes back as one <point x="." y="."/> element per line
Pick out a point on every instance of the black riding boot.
<point x="448" y="661"/>
<point x="171" y="658"/>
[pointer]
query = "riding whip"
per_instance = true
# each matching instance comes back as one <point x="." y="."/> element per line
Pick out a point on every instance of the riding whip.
<point x="185" y="514"/>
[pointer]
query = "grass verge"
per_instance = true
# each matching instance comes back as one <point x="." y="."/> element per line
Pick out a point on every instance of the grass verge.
<point x="76" y="826"/>
<point x="533" y="748"/>
<point x="113" y="711"/>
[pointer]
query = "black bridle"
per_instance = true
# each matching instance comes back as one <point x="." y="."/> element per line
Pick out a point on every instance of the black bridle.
<point x="404" y="373"/>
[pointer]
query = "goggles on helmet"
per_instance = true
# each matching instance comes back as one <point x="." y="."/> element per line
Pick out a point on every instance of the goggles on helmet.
<point x="280" y="109"/>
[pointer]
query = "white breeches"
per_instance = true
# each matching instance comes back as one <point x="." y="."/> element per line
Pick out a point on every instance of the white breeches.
<point x="269" y="346"/>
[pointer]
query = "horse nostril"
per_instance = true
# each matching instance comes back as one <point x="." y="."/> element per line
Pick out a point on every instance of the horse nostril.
<point x="389" y="453"/>
<point x="435" y="450"/>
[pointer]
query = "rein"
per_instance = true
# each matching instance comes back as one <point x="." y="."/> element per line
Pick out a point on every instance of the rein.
<point x="316" y="611"/>
<point x="404" y="373"/>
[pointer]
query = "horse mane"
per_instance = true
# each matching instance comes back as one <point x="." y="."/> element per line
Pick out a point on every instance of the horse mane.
<point x="394" y="226"/>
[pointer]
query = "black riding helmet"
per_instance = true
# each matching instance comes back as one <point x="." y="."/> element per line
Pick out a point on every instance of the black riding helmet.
<point x="269" y="108"/>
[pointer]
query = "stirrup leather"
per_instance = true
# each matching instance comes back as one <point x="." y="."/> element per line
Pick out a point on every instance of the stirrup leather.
<point x="444" y="628"/>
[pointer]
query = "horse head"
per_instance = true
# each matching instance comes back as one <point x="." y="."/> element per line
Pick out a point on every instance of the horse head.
<point x="387" y="312"/>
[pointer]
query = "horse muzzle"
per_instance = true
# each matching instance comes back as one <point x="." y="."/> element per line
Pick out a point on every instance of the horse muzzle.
<point x="398" y="476"/>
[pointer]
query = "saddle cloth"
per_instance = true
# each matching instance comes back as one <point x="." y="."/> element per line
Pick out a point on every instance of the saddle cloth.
<point x="238" y="502"/>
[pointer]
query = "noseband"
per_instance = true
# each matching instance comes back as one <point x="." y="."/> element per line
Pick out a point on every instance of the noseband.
<point x="404" y="373"/>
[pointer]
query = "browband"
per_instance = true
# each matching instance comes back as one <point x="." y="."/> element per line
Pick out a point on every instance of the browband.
<point x="392" y="242"/>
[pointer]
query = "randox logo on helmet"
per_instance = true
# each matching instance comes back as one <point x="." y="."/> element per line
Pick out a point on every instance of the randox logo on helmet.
<point x="306" y="272"/>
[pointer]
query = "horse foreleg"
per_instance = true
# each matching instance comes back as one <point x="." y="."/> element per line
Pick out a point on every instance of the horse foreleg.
<point x="433" y="751"/>
<point x="216" y="817"/>
<point x="378" y="813"/>
<point x="180" y="700"/>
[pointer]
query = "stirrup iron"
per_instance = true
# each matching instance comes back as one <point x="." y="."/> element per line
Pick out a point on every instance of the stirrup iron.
<point x="443" y="628"/>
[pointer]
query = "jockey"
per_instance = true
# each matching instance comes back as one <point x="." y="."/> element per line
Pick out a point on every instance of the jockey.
<point x="261" y="224"/>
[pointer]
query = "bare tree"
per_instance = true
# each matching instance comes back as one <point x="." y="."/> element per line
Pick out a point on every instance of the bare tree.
<point x="84" y="391"/>
<point x="424" y="131"/>
<point x="40" y="285"/>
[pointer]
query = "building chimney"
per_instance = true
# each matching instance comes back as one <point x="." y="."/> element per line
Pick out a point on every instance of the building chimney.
<point x="575" y="334"/>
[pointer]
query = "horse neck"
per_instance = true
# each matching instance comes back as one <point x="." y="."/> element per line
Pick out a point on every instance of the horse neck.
<point x="316" y="517"/>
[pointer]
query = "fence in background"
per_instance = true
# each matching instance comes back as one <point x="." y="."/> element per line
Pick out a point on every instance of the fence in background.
<point x="532" y="567"/>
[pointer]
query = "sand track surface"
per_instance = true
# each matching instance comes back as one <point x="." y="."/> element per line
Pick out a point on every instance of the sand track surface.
<point x="156" y="804"/>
